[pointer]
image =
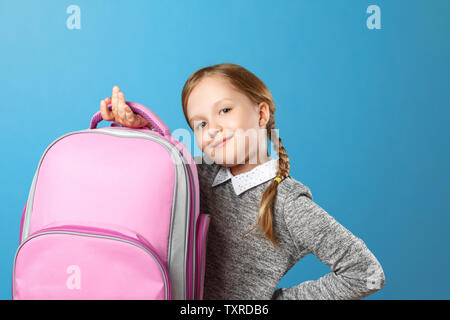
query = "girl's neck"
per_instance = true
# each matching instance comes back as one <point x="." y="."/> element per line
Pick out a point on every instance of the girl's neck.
<point x="245" y="167"/>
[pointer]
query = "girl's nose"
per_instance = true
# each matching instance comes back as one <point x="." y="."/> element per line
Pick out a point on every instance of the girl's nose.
<point x="213" y="132"/>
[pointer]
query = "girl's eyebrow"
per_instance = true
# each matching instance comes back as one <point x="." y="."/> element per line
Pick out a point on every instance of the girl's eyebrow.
<point x="215" y="104"/>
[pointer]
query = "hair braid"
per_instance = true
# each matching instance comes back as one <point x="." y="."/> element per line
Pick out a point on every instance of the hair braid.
<point x="265" y="213"/>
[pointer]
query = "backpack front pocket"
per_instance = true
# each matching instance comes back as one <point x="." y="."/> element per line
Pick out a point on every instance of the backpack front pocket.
<point x="74" y="263"/>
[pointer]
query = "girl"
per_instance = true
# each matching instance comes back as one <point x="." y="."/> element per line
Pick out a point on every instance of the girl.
<point x="240" y="185"/>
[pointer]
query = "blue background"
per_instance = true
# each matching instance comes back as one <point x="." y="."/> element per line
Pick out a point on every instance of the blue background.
<point x="363" y="114"/>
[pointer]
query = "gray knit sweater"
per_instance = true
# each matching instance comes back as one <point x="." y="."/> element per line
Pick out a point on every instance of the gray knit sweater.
<point x="250" y="267"/>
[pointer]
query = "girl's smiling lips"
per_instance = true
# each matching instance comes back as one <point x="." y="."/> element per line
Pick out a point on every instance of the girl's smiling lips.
<point x="221" y="142"/>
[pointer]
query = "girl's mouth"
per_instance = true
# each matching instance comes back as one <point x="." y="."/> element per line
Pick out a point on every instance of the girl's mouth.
<point x="221" y="142"/>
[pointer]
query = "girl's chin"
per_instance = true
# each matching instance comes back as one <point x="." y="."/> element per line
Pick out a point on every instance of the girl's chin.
<point x="227" y="161"/>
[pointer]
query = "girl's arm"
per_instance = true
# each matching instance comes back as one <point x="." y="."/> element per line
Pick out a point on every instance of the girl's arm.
<point x="356" y="273"/>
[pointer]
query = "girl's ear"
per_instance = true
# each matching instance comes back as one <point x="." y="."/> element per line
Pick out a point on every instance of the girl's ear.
<point x="264" y="114"/>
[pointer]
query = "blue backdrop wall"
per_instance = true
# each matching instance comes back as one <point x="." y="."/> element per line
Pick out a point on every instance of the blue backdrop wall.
<point x="362" y="105"/>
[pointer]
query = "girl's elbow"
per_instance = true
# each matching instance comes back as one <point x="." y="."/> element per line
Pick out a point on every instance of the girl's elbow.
<point x="375" y="279"/>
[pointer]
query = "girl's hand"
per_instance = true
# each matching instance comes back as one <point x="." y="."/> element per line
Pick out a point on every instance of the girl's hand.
<point x="121" y="112"/>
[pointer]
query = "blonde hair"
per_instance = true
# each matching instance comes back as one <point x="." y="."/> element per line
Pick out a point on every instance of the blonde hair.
<point x="247" y="83"/>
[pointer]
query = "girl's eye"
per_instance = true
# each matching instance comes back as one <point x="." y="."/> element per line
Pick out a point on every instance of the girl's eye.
<point x="200" y="125"/>
<point x="225" y="109"/>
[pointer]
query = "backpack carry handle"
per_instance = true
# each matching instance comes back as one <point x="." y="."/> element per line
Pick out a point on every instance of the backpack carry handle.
<point x="143" y="111"/>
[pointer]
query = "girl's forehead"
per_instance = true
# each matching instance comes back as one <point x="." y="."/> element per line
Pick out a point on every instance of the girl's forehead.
<point x="208" y="93"/>
<point x="210" y="89"/>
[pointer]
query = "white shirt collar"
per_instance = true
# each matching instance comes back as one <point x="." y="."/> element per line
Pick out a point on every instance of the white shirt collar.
<point x="247" y="180"/>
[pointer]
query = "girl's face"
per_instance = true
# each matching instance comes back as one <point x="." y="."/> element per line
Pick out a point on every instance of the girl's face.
<point x="228" y="127"/>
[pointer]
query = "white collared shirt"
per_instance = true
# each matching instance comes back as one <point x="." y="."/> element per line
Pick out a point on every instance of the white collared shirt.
<point x="247" y="180"/>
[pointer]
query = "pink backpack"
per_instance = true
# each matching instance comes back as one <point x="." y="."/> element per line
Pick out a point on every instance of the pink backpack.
<point x="113" y="213"/>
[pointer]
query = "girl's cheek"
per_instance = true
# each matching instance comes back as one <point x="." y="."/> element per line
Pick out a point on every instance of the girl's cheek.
<point x="242" y="120"/>
<point x="198" y="140"/>
<point x="201" y="142"/>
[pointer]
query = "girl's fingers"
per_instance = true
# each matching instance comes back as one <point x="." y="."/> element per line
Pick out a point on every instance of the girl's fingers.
<point x="108" y="102"/>
<point x="114" y="101"/>
<point x="134" y="120"/>
<point x="128" y="115"/>
<point x="106" y="114"/>
<point x="121" y="97"/>
<point x="131" y="117"/>
<point x="141" y="121"/>
<point x="121" y="106"/>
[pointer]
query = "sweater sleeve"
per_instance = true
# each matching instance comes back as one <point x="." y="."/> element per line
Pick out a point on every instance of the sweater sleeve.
<point x="355" y="272"/>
